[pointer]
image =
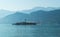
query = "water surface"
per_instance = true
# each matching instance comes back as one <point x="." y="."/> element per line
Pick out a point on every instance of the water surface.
<point x="8" y="30"/>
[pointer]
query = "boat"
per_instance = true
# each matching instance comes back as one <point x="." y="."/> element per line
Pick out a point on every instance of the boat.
<point x="24" y="23"/>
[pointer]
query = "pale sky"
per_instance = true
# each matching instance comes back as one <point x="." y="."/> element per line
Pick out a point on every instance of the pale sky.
<point x="14" y="5"/>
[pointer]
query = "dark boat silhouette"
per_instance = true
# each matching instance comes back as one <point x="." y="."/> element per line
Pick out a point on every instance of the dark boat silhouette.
<point x="25" y="23"/>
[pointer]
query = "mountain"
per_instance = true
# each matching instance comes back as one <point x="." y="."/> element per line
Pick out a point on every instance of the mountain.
<point x="39" y="16"/>
<point x="47" y="16"/>
<point x="12" y="18"/>
<point x="4" y="13"/>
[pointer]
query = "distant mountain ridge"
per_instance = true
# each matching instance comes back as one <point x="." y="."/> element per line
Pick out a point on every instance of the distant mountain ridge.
<point x="4" y="13"/>
<point x="39" y="16"/>
<point x="39" y="8"/>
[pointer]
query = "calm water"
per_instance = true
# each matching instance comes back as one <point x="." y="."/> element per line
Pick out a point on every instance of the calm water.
<point x="8" y="30"/>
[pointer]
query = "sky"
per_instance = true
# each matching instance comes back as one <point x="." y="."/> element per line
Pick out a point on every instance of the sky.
<point x="15" y="5"/>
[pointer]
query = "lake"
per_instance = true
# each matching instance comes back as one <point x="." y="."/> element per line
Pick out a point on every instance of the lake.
<point x="8" y="30"/>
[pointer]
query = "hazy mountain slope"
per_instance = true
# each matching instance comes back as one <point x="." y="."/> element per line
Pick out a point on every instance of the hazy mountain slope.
<point x="4" y="13"/>
<point x="37" y="16"/>
<point x="47" y="16"/>
<point x="16" y="17"/>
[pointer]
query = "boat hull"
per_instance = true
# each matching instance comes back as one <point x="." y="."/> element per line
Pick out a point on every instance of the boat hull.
<point x="24" y="24"/>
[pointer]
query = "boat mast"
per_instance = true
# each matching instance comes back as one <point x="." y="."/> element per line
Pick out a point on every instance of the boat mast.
<point x="25" y="20"/>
